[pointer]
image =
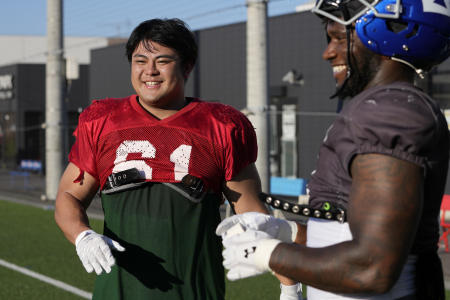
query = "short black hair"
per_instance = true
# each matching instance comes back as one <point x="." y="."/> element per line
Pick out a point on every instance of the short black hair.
<point x="172" y="33"/>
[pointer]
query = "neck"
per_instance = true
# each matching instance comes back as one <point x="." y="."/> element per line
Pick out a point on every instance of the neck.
<point x="392" y="71"/>
<point x="164" y="111"/>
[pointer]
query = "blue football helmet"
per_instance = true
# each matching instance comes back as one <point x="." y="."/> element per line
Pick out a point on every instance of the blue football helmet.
<point x="415" y="32"/>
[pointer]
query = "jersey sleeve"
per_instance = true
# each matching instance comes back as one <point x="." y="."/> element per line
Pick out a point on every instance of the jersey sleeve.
<point x="83" y="150"/>
<point x="401" y="124"/>
<point x="241" y="146"/>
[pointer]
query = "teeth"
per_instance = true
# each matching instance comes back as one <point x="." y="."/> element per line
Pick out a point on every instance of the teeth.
<point x="340" y="68"/>
<point x="151" y="83"/>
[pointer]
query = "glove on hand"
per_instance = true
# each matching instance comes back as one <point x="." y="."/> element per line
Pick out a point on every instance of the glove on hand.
<point x="279" y="229"/>
<point x="247" y="254"/>
<point x="291" y="292"/>
<point x="94" y="251"/>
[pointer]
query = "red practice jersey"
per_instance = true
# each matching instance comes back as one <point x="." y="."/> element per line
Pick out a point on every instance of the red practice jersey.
<point x="211" y="141"/>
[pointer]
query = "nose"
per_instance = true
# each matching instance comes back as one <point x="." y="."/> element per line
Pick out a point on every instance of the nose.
<point x="330" y="52"/>
<point x="151" y="68"/>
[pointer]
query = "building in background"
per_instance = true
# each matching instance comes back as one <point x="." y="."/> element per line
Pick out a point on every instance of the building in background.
<point x="22" y="111"/>
<point x="31" y="49"/>
<point x="22" y="93"/>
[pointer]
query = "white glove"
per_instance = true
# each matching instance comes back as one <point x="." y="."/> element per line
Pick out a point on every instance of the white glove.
<point x="279" y="229"/>
<point x="247" y="254"/>
<point x="291" y="292"/>
<point x="94" y="251"/>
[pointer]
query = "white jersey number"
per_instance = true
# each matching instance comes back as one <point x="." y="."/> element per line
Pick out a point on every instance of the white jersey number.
<point x="180" y="157"/>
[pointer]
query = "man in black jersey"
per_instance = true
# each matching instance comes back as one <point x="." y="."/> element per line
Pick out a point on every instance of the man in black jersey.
<point x="384" y="160"/>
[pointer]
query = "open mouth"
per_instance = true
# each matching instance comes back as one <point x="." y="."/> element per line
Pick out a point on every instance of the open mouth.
<point x="151" y="84"/>
<point x="339" y="69"/>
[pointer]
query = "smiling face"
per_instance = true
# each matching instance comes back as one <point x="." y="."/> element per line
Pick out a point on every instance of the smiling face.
<point x="158" y="77"/>
<point x="363" y="66"/>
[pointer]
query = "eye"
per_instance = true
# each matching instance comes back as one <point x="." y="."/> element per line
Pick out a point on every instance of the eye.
<point x="164" y="61"/>
<point x="341" y="37"/>
<point x="338" y="39"/>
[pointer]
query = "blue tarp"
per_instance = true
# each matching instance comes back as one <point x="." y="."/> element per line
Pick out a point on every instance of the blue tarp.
<point x="287" y="186"/>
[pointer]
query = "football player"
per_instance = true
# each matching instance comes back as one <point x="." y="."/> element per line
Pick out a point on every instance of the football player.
<point x="383" y="162"/>
<point x="161" y="161"/>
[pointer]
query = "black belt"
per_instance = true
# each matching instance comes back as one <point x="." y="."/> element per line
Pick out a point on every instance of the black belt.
<point x="327" y="212"/>
<point x="190" y="186"/>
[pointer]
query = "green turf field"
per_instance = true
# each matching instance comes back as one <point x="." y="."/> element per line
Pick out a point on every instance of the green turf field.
<point x="30" y="239"/>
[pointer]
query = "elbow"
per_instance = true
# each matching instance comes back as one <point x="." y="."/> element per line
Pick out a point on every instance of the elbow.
<point x="378" y="279"/>
<point x="57" y="216"/>
<point x="386" y="281"/>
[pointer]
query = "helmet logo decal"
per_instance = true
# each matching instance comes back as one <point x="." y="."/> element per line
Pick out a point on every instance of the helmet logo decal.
<point x="437" y="6"/>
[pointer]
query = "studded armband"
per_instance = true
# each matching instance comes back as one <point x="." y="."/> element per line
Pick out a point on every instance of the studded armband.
<point x="328" y="211"/>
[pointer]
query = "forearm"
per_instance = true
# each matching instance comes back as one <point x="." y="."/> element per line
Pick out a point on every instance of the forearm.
<point x="70" y="215"/>
<point x="301" y="240"/>
<point x="339" y="268"/>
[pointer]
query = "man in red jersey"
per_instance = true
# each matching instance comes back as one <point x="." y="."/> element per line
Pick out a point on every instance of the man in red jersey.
<point x="162" y="162"/>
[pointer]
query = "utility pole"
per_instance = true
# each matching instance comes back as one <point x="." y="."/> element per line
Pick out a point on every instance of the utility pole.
<point x="54" y="96"/>
<point x="257" y="84"/>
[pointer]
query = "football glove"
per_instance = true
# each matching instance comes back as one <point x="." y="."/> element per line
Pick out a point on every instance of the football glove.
<point x="94" y="251"/>
<point x="247" y="254"/>
<point x="279" y="229"/>
<point x="291" y="292"/>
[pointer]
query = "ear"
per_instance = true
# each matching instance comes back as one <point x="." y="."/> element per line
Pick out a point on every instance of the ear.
<point x="187" y="71"/>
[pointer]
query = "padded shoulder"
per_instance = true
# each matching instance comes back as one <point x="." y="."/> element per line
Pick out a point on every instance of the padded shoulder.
<point x="104" y="107"/>
<point x="226" y="113"/>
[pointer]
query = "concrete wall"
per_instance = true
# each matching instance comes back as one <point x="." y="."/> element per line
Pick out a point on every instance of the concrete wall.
<point x="21" y="117"/>
<point x="32" y="49"/>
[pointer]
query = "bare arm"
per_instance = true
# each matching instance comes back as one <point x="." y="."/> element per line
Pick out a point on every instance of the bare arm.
<point x="385" y="206"/>
<point x="242" y="191"/>
<point x="72" y="201"/>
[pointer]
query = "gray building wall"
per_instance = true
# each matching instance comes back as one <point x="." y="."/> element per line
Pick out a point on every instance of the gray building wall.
<point x="110" y="73"/>
<point x="21" y="116"/>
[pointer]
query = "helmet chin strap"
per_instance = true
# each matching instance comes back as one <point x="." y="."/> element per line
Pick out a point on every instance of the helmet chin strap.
<point x="419" y="72"/>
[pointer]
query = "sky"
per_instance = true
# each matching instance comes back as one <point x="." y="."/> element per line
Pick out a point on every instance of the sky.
<point x="117" y="18"/>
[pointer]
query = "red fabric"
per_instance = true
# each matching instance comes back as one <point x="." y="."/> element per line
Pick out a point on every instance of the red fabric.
<point x="80" y="177"/>
<point x="215" y="140"/>
<point x="445" y="207"/>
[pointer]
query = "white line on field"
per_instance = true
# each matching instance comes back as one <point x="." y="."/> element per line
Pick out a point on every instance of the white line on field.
<point x="57" y="283"/>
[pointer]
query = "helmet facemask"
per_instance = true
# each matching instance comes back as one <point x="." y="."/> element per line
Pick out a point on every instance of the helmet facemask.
<point x="356" y="78"/>
<point x="355" y="8"/>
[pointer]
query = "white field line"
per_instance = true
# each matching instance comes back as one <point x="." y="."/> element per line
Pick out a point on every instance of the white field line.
<point x="54" y="282"/>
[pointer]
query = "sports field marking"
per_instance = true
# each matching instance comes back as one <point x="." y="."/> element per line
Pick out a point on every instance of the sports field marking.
<point x="54" y="282"/>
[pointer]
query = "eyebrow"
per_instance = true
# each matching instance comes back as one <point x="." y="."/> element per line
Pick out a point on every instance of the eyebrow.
<point x="140" y="55"/>
<point x="159" y="56"/>
<point x="167" y="56"/>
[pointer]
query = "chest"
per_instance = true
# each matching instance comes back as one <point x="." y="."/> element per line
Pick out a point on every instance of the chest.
<point x="160" y="153"/>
